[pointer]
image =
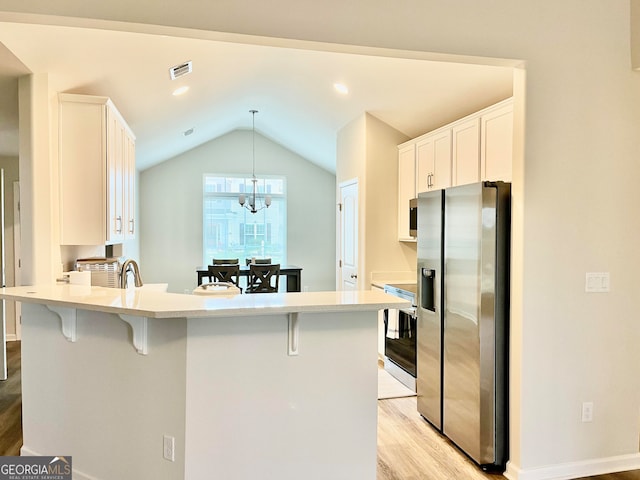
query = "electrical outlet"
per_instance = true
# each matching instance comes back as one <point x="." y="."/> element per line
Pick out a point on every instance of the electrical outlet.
<point x="597" y="282"/>
<point x="168" y="448"/>
<point x="587" y="411"/>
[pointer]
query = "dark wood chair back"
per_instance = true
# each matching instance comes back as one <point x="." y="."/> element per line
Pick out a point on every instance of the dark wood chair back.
<point x="225" y="273"/>
<point x="226" y="261"/>
<point x="259" y="261"/>
<point x="263" y="278"/>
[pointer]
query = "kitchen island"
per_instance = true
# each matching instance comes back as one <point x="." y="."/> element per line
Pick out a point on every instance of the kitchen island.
<point x="137" y="384"/>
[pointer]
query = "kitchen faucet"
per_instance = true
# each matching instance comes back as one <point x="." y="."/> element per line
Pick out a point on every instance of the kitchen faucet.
<point x="126" y="267"/>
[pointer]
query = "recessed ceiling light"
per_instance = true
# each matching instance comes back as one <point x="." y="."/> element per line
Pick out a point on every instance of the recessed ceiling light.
<point x="180" y="91"/>
<point x="341" y="88"/>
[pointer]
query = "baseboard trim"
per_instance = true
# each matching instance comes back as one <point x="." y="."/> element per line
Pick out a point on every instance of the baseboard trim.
<point x="77" y="475"/>
<point x="567" y="471"/>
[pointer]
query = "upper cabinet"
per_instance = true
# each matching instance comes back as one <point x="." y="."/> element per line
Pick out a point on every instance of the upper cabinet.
<point x="406" y="187"/>
<point x="496" y="148"/>
<point x="466" y="152"/>
<point x="422" y="165"/>
<point x="97" y="172"/>
<point x="474" y="148"/>
<point x="433" y="161"/>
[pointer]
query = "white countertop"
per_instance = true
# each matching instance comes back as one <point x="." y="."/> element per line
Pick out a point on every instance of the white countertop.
<point x="153" y="304"/>
<point x="380" y="279"/>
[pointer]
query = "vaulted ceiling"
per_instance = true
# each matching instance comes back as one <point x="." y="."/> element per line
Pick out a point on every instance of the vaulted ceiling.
<point x="292" y="88"/>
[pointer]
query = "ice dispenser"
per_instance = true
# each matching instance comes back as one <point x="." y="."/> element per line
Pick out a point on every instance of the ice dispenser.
<point x="427" y="289"/>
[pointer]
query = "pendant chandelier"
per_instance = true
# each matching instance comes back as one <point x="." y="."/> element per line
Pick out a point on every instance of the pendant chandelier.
<point x="254" y="203"/>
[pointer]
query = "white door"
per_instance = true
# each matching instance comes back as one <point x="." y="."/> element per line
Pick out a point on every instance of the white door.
<point x="349" y="235"/>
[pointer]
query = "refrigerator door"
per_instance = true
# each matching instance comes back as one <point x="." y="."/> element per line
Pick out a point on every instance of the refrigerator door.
<point x="474" y="374"/>
<point x="429" y="311"/>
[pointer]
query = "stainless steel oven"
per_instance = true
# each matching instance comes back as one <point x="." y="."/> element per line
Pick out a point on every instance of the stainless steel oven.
<point x="400" y="337"/>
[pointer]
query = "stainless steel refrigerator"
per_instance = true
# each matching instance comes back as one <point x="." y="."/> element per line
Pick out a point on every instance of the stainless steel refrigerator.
<point x="463" y="317"/>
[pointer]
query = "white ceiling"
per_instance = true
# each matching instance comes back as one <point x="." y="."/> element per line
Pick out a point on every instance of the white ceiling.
<point x="291" y="88"/>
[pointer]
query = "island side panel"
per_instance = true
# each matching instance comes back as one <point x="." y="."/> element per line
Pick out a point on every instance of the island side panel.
<point x="98" y="400"/>
<point x="255" y="412"/>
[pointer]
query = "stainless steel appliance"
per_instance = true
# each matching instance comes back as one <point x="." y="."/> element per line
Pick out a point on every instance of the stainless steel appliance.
<point x="400" y="335"/>
<point x="413" y="217"/>
<point x="463" y="317"/>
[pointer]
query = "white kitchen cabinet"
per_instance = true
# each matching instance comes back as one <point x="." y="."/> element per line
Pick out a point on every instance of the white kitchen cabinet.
<point x="433" y="161"/>
<point x="406" y="188"/>
<point x="97" y="172"/>
<point x="130" y="189"/>
<point x="496" y="149"/>
<point x="466" y="151"/>
<point x="483" y="145"/>
<point x="476" y="147"/>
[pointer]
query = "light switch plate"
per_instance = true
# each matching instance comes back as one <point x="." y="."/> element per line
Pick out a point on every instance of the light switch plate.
<point x="597" y="282"/>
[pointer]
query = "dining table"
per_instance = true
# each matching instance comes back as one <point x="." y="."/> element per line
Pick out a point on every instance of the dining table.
<point x="292" y="272"/>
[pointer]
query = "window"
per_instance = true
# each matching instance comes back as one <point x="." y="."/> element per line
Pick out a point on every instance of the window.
<point x="232" y="231"/>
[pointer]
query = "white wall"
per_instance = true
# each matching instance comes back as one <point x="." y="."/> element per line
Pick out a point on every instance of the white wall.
<point x="367" y="150"/>
<point x="575" y="190"/>
<point x="384" y="252"/>
<point x="171" y="210"/>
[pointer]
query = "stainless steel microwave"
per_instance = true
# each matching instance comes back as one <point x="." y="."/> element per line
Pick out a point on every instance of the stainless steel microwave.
<point x="413" y="217"/>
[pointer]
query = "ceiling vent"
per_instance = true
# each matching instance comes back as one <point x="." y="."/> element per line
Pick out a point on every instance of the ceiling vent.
<point x="180" y="70"/>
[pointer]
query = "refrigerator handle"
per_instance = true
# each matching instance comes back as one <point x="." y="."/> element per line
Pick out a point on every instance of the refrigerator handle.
<point x="427" y="289"/>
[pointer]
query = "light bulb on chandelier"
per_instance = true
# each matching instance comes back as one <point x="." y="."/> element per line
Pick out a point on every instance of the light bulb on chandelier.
<point x="254" y="200"/>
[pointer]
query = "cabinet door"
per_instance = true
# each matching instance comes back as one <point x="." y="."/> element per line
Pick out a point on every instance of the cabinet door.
<point x="130" y="187"/>
<point x="433" y="161"/>
<point x="115" y="184"/>
<point x="466" y="152"/>
<point x="441" y="177"/>
<point x="424" y="164"/>
<point x="82" y="153"/>
<point x="406" y="187"/>
<point x="497" y="144"/>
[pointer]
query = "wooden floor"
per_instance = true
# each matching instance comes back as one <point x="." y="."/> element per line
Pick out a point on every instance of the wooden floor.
<point x="408" y="447"/>
<point x="11" y="404"/>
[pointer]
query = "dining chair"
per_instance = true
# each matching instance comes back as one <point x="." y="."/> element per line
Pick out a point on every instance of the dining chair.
<point x="259" y="261"/>
<point x="225" y="273"/>
<point x="226" y="261"/>
<point x="263" y="278"/>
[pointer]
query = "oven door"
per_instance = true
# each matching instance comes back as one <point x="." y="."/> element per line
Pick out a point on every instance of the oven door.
<point x="400" y="338"/>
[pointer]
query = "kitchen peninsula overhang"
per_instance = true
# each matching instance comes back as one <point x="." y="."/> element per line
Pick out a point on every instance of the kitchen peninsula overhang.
<point x="288" y="380"/>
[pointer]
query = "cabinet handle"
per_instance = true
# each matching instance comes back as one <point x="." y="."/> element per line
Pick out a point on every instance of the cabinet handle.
<point x="131" y="226"/>
<point x="354" y="276"/>
<point x="118" y="224"/>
